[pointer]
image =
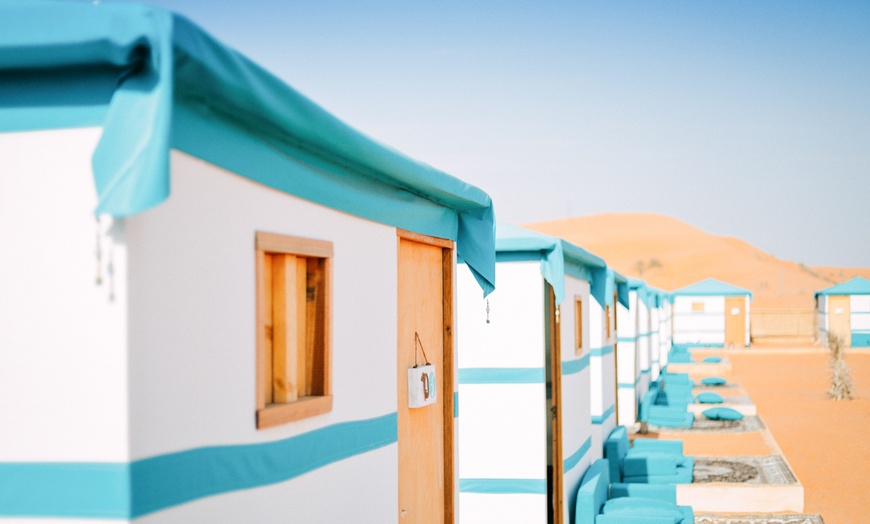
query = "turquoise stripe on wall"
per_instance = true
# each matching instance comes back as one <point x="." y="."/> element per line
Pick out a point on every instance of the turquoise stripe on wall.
<point x="119" y="490"/>
<point x="501" y="375"/>
<point x="569" y="367"/>
<point x="626" y="339"/>
<point x="503" y="486"/>
<point x="599" y="419"/>
<point x="455" y="404"/>
<point x="97" y="490"/>
<point x="569" y="463"/>
<point x="600" y="352"/>
<point x="860" y="340"/>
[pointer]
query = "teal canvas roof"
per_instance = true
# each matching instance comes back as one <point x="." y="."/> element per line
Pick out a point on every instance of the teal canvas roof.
<point x="558" y="258"/>
<point x="711" y="287"/>
<point x="647" y="294"/>
<point x="856" y="286"/>
<point x="154" y="81"/>
<point x="621" y="288"/>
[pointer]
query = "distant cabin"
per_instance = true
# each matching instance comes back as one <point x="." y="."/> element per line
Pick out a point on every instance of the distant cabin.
<point x="526" y="404"/>
<point x="605" y="359"/>
<point x="644" y="327"/>
<point x="844" y="309"/>
<point x="212" y="289"/>
<point x="711" y="313"/>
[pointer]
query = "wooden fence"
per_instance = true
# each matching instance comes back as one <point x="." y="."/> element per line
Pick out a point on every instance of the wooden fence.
<point x="782" y="325"/>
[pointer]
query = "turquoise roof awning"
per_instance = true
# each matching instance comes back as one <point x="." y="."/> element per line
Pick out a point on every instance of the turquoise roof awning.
<point x="154" y="81"/>
<point x="644" y="293"/>
<point x="622" y="289"/>
<point x="711" y="287"/>
<point x="856" y="286"/>
<point x="558" y="258"/>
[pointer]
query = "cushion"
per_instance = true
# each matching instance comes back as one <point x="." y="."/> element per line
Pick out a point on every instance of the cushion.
<point x="650" y="464"/>
<point x="722" y="414"/>
<point x="713" y="381"/>
<point x="709" y="398"/>
<point x="712" y="360"/>
<point x="637" y="506"/>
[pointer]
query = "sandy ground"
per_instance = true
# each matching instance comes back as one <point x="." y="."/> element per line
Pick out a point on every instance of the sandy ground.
<point x="825" y="441"/>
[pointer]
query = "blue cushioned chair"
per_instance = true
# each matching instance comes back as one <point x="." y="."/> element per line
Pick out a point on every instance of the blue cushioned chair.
<point x="648" y="461"/>
<point x="596" y="505"/>
<point x="668" y="411"/>
<point x="670" y="379"/>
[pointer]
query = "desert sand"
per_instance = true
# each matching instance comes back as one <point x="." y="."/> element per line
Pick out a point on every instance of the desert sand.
<point x="670" y="254"/>
<point x="825" y="441"/>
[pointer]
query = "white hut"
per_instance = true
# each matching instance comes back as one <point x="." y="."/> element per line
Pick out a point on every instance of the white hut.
<point x="634" y="354"/>
<point x="604" y="360"/>
<point x="845" y="309"/>
<point x="711" y="313"/>
<point x="660" y="328"/>
<point x="525" y="431"/>
<point x="265" y="278"/>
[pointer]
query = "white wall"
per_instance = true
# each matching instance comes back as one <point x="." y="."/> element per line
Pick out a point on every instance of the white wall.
<point x="502" y="427"/>
<point x="577" y="426"/>
<point x="63" y="365"/>
<point x="860" y="313"/>
<point x="192" y="335"/>
<point x="823" y="319"/>
<point x="654" y="344"/>
<point x="703" y="328"/>
<point x="602" y="377"/>
<point x="628" y="369"/>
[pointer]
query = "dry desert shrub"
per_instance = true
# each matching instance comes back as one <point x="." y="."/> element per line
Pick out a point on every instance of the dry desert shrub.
<point x="841" y="384"/>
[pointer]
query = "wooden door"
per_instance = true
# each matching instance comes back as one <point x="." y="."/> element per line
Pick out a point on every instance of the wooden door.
<point x="426" y="486"/>
<point x="735" y="321"/>
<point x="839" y="313"/>
<point x="553" y="362"/>
<point x="615" y="358"/>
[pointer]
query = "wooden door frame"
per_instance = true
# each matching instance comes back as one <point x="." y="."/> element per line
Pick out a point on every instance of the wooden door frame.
<point x="616" y="358"/>
<point x="447" y="382"/>
<point x="847" y="301"/>
<point x="554" y="349"/>
<point x="728" y="315"/>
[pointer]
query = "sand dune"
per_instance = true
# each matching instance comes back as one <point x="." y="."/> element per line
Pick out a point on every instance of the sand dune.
<point x="669" y="254"/>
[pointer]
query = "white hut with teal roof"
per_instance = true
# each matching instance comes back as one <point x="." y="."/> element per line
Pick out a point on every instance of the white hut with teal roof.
<point x="604" y="356"/>
<point x="229" y="340"/>
<point x="711" y="313"/>
<point x="525" y="426"/>
<point x="845" y="309"/>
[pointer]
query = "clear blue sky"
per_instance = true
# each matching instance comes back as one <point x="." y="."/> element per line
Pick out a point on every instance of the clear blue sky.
<point x="745" y="118"/>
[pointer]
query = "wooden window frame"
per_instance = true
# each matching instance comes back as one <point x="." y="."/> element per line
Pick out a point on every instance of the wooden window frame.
<point x="578" y="325"/>
<point x="607" y="330"/>
<point x="268" y="412"/>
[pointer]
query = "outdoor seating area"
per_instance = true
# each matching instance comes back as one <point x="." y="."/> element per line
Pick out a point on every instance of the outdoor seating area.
<point x="760" y="482"/>
<point x="597" y="503"/>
